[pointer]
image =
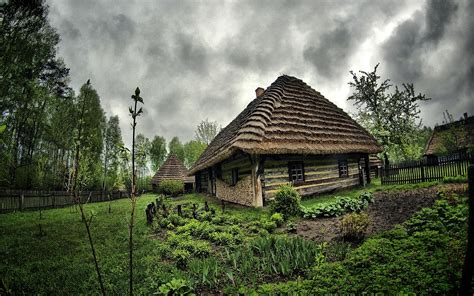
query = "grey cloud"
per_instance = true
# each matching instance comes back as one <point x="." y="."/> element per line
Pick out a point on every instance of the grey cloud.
<point x="168" y="49"/>
<point x="332" y="52"/>
<point x="433" y="50"/>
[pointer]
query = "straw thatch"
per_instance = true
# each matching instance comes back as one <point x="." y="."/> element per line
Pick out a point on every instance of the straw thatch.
<point x="289" y="118"/>
<point x="172" y="169"/>
<point x="463" y="129"/>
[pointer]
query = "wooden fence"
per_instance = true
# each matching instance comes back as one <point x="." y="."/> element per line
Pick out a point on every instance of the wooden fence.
<point x="427" y="169"/>
<point x="19" y="200"/>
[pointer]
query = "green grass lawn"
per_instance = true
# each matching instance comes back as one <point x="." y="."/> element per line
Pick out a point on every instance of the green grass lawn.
<point x="60" y="262"/>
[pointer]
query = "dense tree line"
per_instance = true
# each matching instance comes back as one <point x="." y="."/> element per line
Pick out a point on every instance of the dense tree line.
<point x="41" y="117"/>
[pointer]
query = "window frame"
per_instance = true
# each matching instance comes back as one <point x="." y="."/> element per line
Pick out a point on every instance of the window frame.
<point x="340" y="166"/>
<point x="291" y="166"/>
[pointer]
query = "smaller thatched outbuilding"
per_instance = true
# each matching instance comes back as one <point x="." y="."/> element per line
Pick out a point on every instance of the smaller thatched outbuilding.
<point x="173" y="169"/>
<point x="457" y="136"/>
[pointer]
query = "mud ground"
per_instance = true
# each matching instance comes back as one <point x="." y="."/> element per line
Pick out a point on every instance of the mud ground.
<point x="388" y="209"/>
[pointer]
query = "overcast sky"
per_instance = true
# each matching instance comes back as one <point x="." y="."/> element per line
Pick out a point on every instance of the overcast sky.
<point x="203" y="59"/>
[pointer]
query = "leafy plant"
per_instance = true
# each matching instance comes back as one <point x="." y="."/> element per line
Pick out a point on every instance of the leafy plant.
<point x="171" y="187"/>
<point x="181" y="257"/>
<point x="456" y="179"/>
<point x="277" y="218"/>
<point x="354" y="226"/>
<point x="338" y="206"/>
<point x="287" y="201"/>
<point x="291" y="226"/>
<point x="176" y="287"/>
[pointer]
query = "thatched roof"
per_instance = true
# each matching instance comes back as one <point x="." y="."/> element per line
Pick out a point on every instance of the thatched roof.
<point x="463" y="128"/>
<point x="172" y="169"/>
<point x="289" y="118"/>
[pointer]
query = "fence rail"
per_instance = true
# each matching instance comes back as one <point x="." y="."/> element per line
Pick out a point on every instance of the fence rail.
<point x="427" y="169"/>
<point x="19" y="200"/>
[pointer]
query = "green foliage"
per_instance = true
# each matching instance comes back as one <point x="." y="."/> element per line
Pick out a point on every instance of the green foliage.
<point x="457" y="179"/>
<point x="277" y="218"/>
<point x="181" y="257"/>
<point x="424" y="255"/>
<point x="157" y="152"/>
<point x="192" y="151"/>
<point x="272" y="255"/>
<point x="176" y="287"/>
<point x="287" y="201"/>
<point x="338" y="206"/>
<point x="176" y="148"/>
<point x="171" y="187"/>
<point x="392" y="118"/>
<point x="291" y="226"/>
<point x="222" y="238"/>
<point x="354" y="225"/>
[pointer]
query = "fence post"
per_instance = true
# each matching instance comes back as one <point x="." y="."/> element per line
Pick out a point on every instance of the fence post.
<point x="21" y="200"/>
<point x="422" y="171"/>
<point x="468" y="268"/>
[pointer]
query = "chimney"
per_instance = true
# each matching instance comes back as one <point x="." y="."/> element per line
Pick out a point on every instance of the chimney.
<point x="259" y="91"/>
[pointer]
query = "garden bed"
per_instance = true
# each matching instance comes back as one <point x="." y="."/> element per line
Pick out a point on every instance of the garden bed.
<point x="388" y="209"/>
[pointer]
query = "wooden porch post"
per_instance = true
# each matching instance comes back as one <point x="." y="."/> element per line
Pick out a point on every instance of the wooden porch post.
<point x="256" y="182"/>
<point x="367" y="167"/>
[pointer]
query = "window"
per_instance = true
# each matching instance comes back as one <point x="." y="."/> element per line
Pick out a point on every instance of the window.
<point x="235" y="176"/>
<point x="343" y="169"/>
<point x="296" y="171"/>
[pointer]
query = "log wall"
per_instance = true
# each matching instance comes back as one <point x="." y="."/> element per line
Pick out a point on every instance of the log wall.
<point x="321" y="173"/>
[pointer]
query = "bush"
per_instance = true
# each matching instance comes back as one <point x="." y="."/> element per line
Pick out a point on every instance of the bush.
<point x="291" y="226"/>
<point x="354" y="225"/>
<point x="222" y="238"/>
<point x="287" y="201"/>
<point x="457" y="179"/>
<point x="277" y="218"/>
<point x="268" y="225"/>
<point x="339" y="206"/>
<point x="176" y="287"/>
<point x="171" y="187"/>
<point x="181" y="257"/>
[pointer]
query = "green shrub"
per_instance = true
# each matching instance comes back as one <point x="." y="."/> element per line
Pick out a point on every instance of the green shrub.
<point x="421" y="256"/>
<point x="354" y="225"/>
<point x="198" y="248"/>
<point x="181" y="257"/>
<point x="277" y="218"/>
<point x="291" y="226"/>
<point x="222" y="238"/>
<point x="268" y="225"/>
<point x="171" y="187"/>
<point x="287" y="201"/>
<point x="457" y="179"/>
<point x="338" y="206"/>
<point x="176" y="287"/>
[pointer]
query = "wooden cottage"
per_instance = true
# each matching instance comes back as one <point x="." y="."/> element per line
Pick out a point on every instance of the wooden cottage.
<point x="457" y="136"/>
<point x="289" y="133"/>
<point x="173" y="169"/>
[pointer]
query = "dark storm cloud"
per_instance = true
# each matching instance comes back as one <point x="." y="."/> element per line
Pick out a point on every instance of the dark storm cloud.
<point x="433" y="49"/>
<point x="197" y="60"/>
<point x="331" y="53"/>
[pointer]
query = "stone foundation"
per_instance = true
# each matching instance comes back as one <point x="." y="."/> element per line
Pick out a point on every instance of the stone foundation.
<point x="240" y="193"/>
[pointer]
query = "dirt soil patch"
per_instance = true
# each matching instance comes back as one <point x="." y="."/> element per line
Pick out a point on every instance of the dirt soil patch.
<point x="388" y="209"/>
